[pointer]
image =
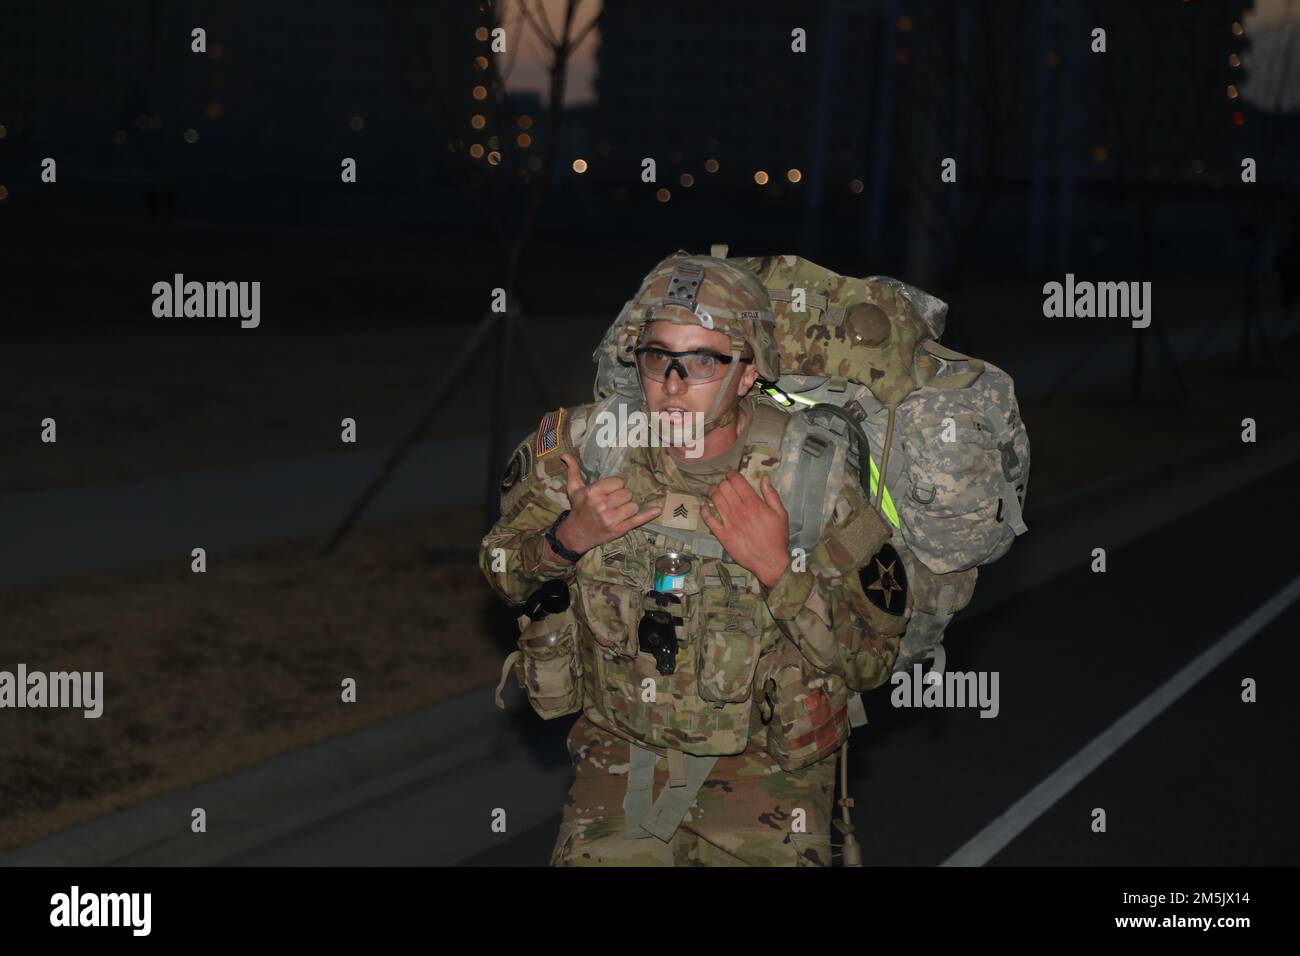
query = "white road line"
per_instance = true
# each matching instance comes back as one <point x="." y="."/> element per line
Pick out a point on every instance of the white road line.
<point x="990" y="841"/>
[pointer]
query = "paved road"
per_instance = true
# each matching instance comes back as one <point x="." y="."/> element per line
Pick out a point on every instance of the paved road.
<point x="55" y="533"/>
<point x="1205" y="782"/>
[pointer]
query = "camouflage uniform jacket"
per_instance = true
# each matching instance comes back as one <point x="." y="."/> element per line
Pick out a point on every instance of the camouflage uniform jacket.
<point x="787" y="658"/>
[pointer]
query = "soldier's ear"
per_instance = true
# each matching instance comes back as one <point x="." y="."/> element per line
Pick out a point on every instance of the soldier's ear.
<point x="747" y="380"/>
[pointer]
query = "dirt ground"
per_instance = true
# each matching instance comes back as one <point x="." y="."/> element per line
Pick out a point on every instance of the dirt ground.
<point x="207" y="673"/>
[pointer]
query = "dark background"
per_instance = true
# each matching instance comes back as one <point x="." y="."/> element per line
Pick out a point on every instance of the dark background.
<point x="224" y="165"/>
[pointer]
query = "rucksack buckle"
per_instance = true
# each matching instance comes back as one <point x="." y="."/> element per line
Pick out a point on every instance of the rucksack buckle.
<point x="814" y="445"/>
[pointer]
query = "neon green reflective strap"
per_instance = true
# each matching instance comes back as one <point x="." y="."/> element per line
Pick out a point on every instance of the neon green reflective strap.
<point x="887" y="502"/>
<point x="785" y="398"/>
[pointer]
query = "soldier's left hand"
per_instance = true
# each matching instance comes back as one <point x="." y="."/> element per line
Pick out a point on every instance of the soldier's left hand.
<point x="754" y="530"/>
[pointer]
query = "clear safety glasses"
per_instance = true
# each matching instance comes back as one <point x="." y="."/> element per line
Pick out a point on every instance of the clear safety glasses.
<point x="695" y="368"/>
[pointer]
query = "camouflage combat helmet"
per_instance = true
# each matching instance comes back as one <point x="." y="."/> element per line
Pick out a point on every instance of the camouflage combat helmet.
<point x="714" y="294"/>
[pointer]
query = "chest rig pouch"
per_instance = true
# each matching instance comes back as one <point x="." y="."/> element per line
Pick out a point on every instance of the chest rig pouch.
<point x="692" y="689"/>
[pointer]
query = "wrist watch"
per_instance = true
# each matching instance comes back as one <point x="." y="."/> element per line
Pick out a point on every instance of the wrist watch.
<point x="554" y="542"/>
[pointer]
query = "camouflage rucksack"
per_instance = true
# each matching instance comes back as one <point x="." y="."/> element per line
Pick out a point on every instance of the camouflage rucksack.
<point x="871" y="389"/>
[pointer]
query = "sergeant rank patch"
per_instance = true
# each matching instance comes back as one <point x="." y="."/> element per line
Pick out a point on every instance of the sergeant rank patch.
<point x="884" y="581"/>
<point x="548" y="433"/>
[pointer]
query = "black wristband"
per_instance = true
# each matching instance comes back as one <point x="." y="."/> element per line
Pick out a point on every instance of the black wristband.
<point x="554" y="542"/>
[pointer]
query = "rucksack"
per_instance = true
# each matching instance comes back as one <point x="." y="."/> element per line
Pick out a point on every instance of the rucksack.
<point x="957" y="457"/>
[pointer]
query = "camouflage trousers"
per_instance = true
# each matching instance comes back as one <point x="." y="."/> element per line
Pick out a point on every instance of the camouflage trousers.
<point x="743" y="815"/>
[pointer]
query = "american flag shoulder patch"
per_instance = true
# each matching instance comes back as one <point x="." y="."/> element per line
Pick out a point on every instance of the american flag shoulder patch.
<point x="548" y="433"/>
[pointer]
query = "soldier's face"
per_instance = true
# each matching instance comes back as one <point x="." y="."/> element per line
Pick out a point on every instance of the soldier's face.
<point x="672" y="396"/>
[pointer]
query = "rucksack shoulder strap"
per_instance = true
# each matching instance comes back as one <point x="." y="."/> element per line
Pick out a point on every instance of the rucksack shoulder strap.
<point x="812" y="463"/>
<point x="769" y="424"/>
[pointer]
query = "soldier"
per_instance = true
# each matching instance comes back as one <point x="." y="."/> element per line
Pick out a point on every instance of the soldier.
<point x="713" y="672"/>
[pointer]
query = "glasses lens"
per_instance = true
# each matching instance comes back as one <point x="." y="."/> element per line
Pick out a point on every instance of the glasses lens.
<point x="653" y="363"/>
<point x="701" y="365"/>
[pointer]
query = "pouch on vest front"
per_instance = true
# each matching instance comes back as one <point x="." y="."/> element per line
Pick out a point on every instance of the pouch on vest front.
<point x="610" y="583"/>
<point x="549" y="666"/>
<point x="728" y="638"/>
<point x="808" y="709"/>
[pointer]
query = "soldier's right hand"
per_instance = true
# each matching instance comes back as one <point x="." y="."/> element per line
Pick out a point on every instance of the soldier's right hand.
<point x="598" y="513"/>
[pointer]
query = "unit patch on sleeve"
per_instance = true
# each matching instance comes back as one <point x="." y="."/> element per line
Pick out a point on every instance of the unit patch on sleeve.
<point x="884" y="581"/>
<point x="521" y="462"/>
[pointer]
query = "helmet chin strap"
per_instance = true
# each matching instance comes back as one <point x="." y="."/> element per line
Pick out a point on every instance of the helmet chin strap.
<point x="710" y="423"/>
